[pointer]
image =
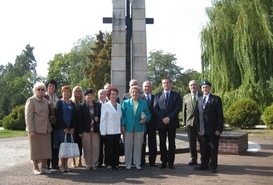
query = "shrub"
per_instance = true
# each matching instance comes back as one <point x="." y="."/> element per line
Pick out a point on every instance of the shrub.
<point x="16" y="119"/>
<point x="268" y="116"/>
<point x="243" y="113"/>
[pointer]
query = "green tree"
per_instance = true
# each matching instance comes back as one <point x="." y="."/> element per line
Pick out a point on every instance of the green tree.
<point x="68" y="69"/>
<point x="163" y="65"/>
<point x="16" y="81"/>
<point x="99" y="68"/>
<point x="237" y="50"/>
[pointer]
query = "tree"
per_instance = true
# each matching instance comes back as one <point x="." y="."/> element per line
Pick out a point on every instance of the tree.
<point x="237" y="48"/>
<point x="16" y="81"/>
<point x="162" y="65"/>
<point x="68" y="69"/>
<point x="99" y="68"/>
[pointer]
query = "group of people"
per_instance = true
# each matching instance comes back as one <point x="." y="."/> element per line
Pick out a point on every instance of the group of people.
<point x="98" y="126"/>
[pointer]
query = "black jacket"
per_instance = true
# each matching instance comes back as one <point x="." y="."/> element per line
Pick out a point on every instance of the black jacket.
<point x="85" y="118"/>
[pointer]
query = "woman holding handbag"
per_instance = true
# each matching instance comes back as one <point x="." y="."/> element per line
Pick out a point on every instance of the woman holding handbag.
<point x="89" y="115"/>
<point x="66" y="117"/>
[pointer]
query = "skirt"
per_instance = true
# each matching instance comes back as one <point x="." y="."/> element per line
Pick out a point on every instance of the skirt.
<point x="40" y="146"/>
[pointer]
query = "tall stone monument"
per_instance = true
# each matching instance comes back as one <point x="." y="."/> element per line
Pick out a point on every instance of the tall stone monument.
<point x="129" y="48"/>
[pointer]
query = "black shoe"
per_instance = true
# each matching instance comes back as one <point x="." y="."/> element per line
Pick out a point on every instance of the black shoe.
<point x="99" y="165"/>
<point x="171" y="166"/>
<point x="55" y="167"/>
<point x="213" y="170"/>
<point x="163" y="165"/>
<point x="192" y="162"/>
<point x="109" y="168"/>
<point x="153" y="165"/>
<point x="201" y="168"/>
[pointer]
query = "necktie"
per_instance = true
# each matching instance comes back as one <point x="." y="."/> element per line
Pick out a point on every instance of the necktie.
<point x="194" y="100"/>
<point x="148" y="100"/>
<point x="166" y="98"/>
<point x="204" y="102"/>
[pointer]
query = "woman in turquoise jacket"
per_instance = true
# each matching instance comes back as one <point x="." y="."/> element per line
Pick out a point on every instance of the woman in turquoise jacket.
<point x="135" y="114"/>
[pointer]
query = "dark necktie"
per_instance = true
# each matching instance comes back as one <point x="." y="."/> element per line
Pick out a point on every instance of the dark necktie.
<point x="148" y="100"/>
<point x="166" y="98"/>
<point x="204" y="102"/>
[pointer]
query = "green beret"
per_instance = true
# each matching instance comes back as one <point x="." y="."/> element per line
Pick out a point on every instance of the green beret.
<point x="205" y="82"/>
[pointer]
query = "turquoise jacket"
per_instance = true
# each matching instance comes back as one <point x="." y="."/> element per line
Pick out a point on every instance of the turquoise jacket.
<point x="131" y="121"/>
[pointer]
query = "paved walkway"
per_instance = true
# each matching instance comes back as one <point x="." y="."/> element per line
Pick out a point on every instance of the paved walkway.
<point x="255" y="167"/>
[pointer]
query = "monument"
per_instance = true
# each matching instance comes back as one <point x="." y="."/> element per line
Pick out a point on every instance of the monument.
<point x="129" y="48"/>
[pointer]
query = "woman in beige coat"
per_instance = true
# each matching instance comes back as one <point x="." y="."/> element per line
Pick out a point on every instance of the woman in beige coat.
<point x="38" y="128"/>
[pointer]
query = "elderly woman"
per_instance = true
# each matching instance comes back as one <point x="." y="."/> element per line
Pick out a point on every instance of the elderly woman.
<point x="89" y="115"/>
<point x="78" y="99"/>
<point x="135" y="113"/>
<point x="110" y="128"/>
<point x="38" y="128"/>
<point x="66" y="117"/>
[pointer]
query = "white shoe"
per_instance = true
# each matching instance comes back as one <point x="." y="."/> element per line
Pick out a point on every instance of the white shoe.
<point x="128" y="167"/>
<point x="138" y="167"/>
<point x="46" y="171"/>
<point x="37" y="172"/>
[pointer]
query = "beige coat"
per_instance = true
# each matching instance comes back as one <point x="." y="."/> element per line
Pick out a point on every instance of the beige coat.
<point x="36" y="115"/>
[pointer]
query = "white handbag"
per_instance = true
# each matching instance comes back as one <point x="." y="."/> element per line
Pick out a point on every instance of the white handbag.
<point x="69" y="150"/>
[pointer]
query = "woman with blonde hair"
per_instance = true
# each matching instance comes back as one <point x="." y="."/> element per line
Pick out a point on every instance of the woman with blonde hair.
<point x="39" y="128"/>
<point x="77" y="98"/>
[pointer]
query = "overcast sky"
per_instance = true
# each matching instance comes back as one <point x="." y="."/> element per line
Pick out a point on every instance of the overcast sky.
<point x="53" y="26"/>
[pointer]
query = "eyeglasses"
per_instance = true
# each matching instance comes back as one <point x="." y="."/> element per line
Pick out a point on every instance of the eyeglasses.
<point x="40" y="89"/>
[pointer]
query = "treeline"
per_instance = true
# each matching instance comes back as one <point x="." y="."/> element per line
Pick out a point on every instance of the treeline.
<point x="88" y="64"/>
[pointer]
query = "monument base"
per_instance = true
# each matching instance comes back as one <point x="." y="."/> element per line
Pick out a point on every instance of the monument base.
<point x="232" y="142"/>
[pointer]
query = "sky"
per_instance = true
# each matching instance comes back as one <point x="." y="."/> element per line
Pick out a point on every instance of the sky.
<point x="53" y="26"/>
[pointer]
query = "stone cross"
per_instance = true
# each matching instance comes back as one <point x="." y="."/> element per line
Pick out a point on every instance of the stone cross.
<point x="129" y="48"/>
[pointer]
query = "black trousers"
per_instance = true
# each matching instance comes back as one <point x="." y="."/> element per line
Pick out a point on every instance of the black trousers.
<point x="112" y="150"/>
<point x="55" y="153"/>
<point x="193" y="137"/>
<point x="151" y="133"/>
<point x="209" y="151"/>
<point x="102" y="150"/>
<point x="167" y="156"/>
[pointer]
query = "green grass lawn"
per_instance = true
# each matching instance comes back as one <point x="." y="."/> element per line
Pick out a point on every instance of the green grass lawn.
<point x="265" y="133"/>
<point x="12" y="133"/>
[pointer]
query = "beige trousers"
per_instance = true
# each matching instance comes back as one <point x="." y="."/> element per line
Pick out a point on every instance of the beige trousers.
<point x="91" y="148"/>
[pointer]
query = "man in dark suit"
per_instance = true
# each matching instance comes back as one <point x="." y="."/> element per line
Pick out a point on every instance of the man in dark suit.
<point x="209" y="123"/>
<point x="102" y="99"/>
<point x="167" y="105"/>
<point x="150" y="126"/>
<point x="127" y="95"/>
<point x="189" y="103"/>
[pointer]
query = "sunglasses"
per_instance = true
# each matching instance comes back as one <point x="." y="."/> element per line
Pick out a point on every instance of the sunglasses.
<point x="40" y="89"/>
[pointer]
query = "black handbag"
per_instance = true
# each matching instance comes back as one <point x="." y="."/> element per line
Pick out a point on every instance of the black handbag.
<point x="121" y="147"/>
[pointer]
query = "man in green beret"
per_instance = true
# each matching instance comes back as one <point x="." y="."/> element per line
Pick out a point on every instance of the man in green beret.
<point x="209" y="123"/>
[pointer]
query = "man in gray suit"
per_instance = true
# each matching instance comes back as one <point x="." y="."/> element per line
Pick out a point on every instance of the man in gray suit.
<point x="189" y="103"/>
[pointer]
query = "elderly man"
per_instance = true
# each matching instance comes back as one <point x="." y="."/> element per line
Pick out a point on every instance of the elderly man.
<point x="189" y="103"/>
<point x="209" y="123"/>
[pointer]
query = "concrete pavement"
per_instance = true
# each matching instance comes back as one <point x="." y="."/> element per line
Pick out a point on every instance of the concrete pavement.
<point x="254" y="167"/>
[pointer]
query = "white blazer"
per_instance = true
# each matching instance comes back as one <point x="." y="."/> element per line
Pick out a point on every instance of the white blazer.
<point x="110" y="119"/>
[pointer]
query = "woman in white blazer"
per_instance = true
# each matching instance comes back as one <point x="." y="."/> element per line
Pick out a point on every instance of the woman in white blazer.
<point x="110" y="128"/>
